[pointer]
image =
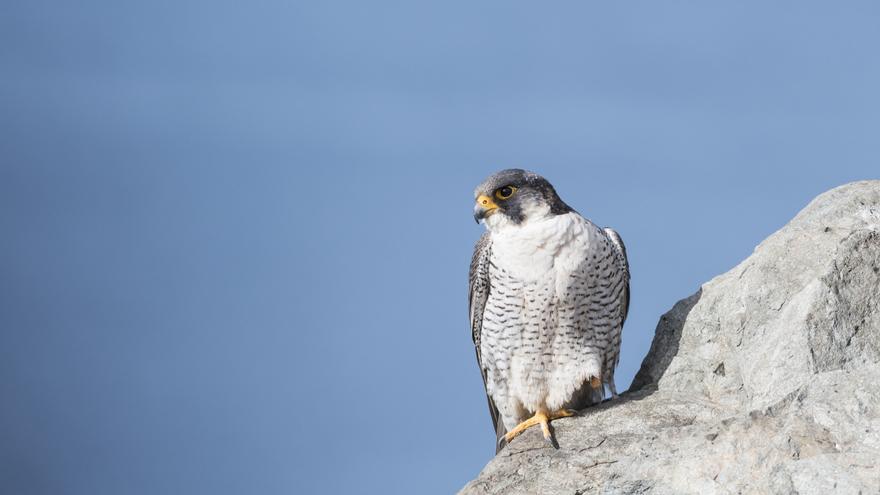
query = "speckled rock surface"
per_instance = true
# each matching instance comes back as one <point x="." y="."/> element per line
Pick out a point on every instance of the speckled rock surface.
<point x="767" y="380"/>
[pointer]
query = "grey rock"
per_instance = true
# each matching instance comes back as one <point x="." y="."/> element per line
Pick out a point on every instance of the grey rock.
<point x="767" y="380"/>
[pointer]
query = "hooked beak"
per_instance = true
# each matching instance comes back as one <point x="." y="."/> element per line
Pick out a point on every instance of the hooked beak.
<point x="484" y="207"/>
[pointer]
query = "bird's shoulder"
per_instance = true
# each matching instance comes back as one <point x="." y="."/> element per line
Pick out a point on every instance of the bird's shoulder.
<point x="594" y="237"/>
<point x="479" y="259"/>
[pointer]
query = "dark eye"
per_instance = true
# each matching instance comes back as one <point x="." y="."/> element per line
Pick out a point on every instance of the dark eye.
<point x="505" y="192"/>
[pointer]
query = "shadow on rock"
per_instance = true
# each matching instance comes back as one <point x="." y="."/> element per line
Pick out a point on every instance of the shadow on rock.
<point x="663" y="348"/>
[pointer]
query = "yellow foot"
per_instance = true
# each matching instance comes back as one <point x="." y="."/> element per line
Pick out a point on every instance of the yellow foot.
<point x="542" y="418"/>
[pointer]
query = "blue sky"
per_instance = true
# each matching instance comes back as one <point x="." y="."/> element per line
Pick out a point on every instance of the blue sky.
<point x="236" y="237"/>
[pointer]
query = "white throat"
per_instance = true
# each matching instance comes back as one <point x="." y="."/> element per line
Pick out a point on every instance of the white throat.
<point x="537" y="246"/>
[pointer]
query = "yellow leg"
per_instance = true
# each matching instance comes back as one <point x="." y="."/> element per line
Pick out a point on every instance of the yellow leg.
<point x="542" y="418"/>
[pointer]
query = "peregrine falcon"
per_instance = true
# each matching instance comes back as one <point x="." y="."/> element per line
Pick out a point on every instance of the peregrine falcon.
<point x="549" y="292"/>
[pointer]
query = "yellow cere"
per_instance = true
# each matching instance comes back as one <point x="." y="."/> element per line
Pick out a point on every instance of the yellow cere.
<point x="486" y="202"/>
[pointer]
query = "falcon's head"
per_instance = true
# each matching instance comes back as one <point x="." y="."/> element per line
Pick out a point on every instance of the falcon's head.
<point x="514" y="197"/>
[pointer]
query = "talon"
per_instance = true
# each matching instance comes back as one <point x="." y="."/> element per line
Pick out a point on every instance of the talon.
<point x="548" y="434"/>
<point x="543" y="419"/>
<point x="552" y="441"/>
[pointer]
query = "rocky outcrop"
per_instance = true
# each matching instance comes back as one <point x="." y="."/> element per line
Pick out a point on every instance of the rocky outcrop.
<point x="767" y="380"/>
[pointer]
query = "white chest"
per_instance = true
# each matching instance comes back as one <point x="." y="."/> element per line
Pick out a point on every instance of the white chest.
<point x="547" y="248"/>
